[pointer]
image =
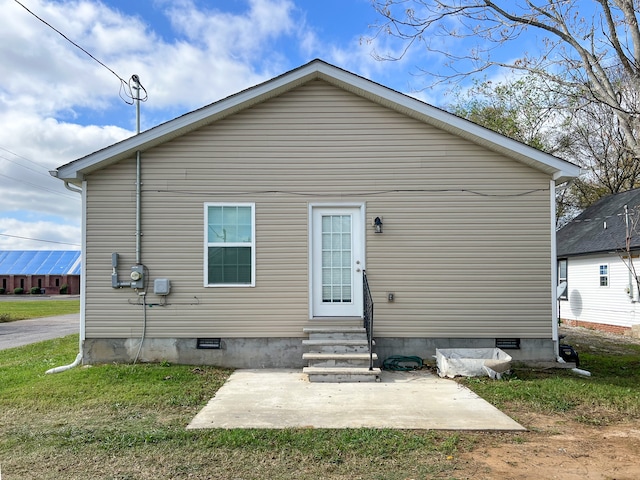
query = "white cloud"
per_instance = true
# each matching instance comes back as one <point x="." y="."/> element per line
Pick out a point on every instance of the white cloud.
<point x="57" y="104"/>
<point x="213" y="55"/>
<point x="68" y="236"/>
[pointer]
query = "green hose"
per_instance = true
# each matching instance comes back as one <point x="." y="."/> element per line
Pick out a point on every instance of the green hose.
<point x="399" y="363"/>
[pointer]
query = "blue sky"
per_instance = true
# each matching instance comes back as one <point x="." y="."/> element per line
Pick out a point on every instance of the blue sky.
<point x="57" y="104"/>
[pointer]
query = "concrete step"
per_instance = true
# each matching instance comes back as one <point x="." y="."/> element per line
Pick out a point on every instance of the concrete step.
<point x="330" y="330"/>
<point x="334" y="345"/>
<point x="338" y="359"/>
<point x="347" y="333"/>
<point x="342" y="374"/>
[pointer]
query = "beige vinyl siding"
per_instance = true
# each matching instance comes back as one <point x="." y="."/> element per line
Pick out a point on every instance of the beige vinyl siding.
<point x="465" y="248"/>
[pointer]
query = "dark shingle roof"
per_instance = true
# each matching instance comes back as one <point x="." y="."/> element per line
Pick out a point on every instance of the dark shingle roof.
<point x="601" y="227"/>
<point x="40" y="262"/>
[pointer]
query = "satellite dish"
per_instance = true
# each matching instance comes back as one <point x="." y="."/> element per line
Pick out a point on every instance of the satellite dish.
<point x="562" y="287"/>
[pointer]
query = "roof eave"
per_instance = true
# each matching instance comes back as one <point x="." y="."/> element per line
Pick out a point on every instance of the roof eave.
<point x="76" y="170"/>
<point x="558" y="169"/>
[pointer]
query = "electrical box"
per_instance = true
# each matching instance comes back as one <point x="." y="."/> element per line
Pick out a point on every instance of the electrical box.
<point x="161" y="286"/>
<point x="137" y="276"/>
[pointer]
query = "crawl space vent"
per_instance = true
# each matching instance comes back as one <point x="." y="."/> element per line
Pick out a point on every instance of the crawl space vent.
<point x="508" y="343"/>
<point x="209" y="343"/>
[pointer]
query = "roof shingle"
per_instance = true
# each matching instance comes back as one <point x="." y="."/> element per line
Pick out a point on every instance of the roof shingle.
<point x="601" y="227"/>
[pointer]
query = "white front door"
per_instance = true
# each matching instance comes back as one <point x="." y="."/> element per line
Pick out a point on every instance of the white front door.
<point x="337" y="261"/>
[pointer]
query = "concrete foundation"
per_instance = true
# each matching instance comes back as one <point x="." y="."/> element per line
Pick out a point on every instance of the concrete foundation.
<point x="284" y="352"/>
<point x="234" y="352"/>
<point x="531" y="349"/>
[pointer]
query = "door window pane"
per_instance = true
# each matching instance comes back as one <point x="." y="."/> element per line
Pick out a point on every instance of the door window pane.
<point x="336" y="258"/>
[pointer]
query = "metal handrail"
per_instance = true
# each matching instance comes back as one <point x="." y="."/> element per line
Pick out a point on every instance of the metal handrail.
<point x="368" y="315"/>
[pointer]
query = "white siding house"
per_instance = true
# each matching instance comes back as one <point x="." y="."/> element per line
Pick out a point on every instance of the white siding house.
<point x="601" y="289"/>
<point x="246" y="222"/>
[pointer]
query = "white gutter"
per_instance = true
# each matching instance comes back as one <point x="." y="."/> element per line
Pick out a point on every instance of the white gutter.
<point x="83" y="285"/>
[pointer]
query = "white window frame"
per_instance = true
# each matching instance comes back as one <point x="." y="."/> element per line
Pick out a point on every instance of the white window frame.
<point x="251" y="244"/>
<point x="605" y="275"/>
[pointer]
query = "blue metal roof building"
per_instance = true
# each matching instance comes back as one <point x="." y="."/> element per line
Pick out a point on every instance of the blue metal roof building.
<point x="40" y="262"/>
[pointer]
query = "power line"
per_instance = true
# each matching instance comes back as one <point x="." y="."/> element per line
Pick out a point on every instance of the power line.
<point x="40" y="187"/>
<point x="22" y="157"/>
<point x="124" y="85"/>
<point x="28" y="168"/>
<point x="39" y="240"/>
<point x="63" y="194"/>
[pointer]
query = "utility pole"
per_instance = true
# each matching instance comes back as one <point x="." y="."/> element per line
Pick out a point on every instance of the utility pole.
<point x="136" y="98"/>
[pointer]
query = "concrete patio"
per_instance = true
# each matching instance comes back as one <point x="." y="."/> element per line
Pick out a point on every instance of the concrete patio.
<point x="402" y="400"/>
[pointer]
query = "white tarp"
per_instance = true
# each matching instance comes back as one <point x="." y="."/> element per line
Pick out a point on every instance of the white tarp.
<point x="472" y="362"/>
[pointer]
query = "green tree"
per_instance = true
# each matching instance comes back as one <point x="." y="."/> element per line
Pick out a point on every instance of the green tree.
<point x="519" y="108"/>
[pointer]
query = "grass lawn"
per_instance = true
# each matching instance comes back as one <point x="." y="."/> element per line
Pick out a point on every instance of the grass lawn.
<point x="22" y="310"/>
<point x="128" y="422"/>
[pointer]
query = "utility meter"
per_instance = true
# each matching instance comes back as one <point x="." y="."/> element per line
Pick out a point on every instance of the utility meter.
<point x="137" y="276"/>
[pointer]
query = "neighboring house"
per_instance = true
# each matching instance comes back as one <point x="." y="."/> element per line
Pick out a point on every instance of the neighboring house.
<point x="592" y="258"/>
<point x="236" y="226"/>
<point x="50" y="271"/>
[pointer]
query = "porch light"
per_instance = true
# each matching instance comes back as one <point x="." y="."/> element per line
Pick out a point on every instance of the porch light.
<point x="377" y="225"/>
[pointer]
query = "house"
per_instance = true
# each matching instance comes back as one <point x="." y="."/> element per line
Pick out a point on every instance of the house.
<point x="49" y="271"/>
<point x="225" y="235"/>
<point x="593" y="259"/>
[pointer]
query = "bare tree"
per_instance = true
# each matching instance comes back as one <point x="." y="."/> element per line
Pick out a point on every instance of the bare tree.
<point x="588" y="50"/>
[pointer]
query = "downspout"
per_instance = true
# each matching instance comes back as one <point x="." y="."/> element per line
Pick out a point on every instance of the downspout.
<point x="71" y="188"/>
<point x="554" y="270"/>
<point x="83" y="277"/>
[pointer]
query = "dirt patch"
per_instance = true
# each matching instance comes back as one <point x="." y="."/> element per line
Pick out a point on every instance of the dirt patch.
<point x="558" y="447"/>
<point x="585" y="339"/>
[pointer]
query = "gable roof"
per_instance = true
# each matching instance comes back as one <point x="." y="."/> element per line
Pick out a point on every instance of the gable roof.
<point x="40" y="262"/>
<point x="602" y="226"/>
<point x="558" y="169"/>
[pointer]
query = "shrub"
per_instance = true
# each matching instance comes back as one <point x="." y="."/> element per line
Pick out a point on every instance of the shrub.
<point x="2" y="291"/>
<point x="18" y="291"/>
<point x="34" y="291"/>
<point x="64" y="289"/>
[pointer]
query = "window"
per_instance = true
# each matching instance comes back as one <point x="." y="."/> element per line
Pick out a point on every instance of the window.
<point x="604" y="275"/>
<point x="562" y="277"/>
<point x="230" y="244"/>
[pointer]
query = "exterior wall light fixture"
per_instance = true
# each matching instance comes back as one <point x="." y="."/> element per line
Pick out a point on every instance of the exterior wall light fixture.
<point x="377" y="225"/>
